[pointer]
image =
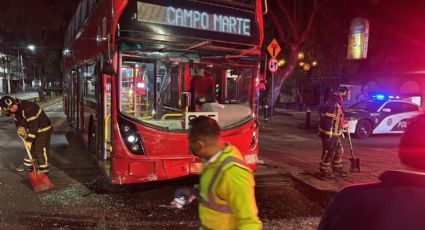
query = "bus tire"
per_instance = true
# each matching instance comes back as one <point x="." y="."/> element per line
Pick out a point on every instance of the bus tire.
<point x="363" y="129"/>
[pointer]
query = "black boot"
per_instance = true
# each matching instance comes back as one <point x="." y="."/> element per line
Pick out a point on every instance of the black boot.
<point x="44" y="169"/>
<point x="22" y="167"/>
<point x="327" y="174"/>
<point x="339" y="172"/>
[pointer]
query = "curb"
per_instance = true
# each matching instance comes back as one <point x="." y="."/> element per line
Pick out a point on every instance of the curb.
<point x="296" y="177"/>
<point x="297" y="173"/>
<point x="50" y="102"/>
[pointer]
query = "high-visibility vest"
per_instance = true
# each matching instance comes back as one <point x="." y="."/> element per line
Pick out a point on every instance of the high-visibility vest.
<point x="217" y="207"/>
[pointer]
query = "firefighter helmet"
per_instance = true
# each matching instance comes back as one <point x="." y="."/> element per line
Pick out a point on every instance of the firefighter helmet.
<point x="343" y="92"/>
<point x="7" y="102"/>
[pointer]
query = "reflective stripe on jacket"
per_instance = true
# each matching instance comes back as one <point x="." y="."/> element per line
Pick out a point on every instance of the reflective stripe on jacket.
<point x="32" y="118"/>
<point x="331" y="118"/>
<point x="226" y="194"/>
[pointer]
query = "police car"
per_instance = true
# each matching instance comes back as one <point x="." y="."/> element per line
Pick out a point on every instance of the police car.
<point x="379" y="116"/>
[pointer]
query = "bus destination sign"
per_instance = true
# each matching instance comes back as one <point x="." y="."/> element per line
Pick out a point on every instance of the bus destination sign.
<point x="194" y="19"/>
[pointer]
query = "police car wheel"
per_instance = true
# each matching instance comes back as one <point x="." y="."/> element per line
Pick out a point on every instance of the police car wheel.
<point x="363" y="129"/>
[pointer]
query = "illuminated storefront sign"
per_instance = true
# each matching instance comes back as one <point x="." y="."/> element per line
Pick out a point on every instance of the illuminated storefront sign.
<point x="358" y="39"/>
<point x="195" y="19"/>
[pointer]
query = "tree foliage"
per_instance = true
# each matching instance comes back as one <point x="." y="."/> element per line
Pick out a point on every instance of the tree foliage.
<point x="38" y="22"/>
<point x="292" y="21"/>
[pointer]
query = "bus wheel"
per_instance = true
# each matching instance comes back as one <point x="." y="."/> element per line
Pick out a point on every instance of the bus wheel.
<point x="363" y="129"/>
<point x="92" y="141"/>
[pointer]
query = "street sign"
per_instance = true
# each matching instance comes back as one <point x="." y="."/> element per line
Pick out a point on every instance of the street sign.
<point x="273" y="65"/>
<point x="274" y="48"/>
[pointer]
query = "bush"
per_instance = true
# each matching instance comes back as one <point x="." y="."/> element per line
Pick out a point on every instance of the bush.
<point x="53" y="91"/>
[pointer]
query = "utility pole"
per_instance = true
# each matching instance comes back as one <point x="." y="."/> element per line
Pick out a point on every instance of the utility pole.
<point x="22" y="72"/>
<point x="4" y="68"/>
<point x="21" y="66"/>
<point x="8" y="74"/>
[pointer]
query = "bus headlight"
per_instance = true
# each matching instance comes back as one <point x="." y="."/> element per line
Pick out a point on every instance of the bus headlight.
<point x="254" y="138"/>
<point x="131" y="139"/>
<point x="135" y="147"/>
<point x="130" y="136"/>
<point x="126" y="128"/>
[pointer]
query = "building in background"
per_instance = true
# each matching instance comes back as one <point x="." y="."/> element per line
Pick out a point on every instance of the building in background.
<point x="12" y="77"/>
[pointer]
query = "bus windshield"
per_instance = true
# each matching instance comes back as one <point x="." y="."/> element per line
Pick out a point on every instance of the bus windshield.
<point x="159" y="91"/>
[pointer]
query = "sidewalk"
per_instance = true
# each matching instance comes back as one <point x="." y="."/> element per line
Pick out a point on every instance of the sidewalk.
<point x="22" y="95"/>
<point x="33" y="96"/>
<point x="287" y="144"/>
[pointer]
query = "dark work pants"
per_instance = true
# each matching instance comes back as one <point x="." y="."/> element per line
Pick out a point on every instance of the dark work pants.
<point x="331" y="154"/>
<point x="40" y="151"/>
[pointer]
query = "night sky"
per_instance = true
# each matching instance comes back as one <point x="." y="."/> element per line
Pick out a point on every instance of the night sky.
<point x="397" y="31"/>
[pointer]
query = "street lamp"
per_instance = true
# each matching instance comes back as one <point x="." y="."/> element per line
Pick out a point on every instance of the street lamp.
<point x="300" y="55"/>
<point x="306" y="67"/>
<point x="31" y="47"/>
<point x="281" y="62"/>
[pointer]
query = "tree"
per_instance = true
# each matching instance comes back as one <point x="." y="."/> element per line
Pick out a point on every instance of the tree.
<point x="39" y="22"/>
<point x="293" y="30"/>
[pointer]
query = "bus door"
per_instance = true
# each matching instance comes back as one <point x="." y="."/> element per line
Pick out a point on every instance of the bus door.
<point x="136" y="99"/>
<point x="107" y="132"/>
<point x="67" y="95"/>
<point x="74" y="98"/>
<point x="80" y="89"/>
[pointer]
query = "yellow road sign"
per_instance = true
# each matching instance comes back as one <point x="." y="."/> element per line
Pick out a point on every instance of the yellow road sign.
<point x="274" y="48"/>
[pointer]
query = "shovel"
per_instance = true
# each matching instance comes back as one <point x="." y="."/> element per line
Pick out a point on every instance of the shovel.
<point x="354" y="162"/>
<point x="39" y="180"/>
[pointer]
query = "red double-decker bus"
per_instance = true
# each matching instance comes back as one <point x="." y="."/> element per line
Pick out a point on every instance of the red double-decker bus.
<point x="137" y="71"/>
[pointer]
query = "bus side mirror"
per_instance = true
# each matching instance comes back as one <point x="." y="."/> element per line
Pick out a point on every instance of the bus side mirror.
<point x="107" y="69"/>
<point x="264" y="6"/>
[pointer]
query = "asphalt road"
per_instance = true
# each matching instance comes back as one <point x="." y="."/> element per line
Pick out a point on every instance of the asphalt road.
<point x="83" y="198"/>
<point x="287" y="144"/>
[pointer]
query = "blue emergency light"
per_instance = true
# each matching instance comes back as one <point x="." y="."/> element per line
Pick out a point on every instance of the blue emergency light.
<point x="383" y="96"/>
<point x="379" y="96"/>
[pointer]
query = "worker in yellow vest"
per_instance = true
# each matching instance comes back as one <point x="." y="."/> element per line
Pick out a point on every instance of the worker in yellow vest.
<point x="226" y="189"/>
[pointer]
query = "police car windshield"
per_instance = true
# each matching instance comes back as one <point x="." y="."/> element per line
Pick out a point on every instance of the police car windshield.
<point x="367" y="105"/>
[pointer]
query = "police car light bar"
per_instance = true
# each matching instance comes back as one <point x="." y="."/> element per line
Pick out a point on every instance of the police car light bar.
<point x="382" y="97"/>
<point x="379" y="96"/>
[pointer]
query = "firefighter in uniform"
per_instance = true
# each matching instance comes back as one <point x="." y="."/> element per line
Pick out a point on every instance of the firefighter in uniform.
<point x="226" y="188"/>
<point x="332" y="125"/>
<point x="35" y="126"/>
